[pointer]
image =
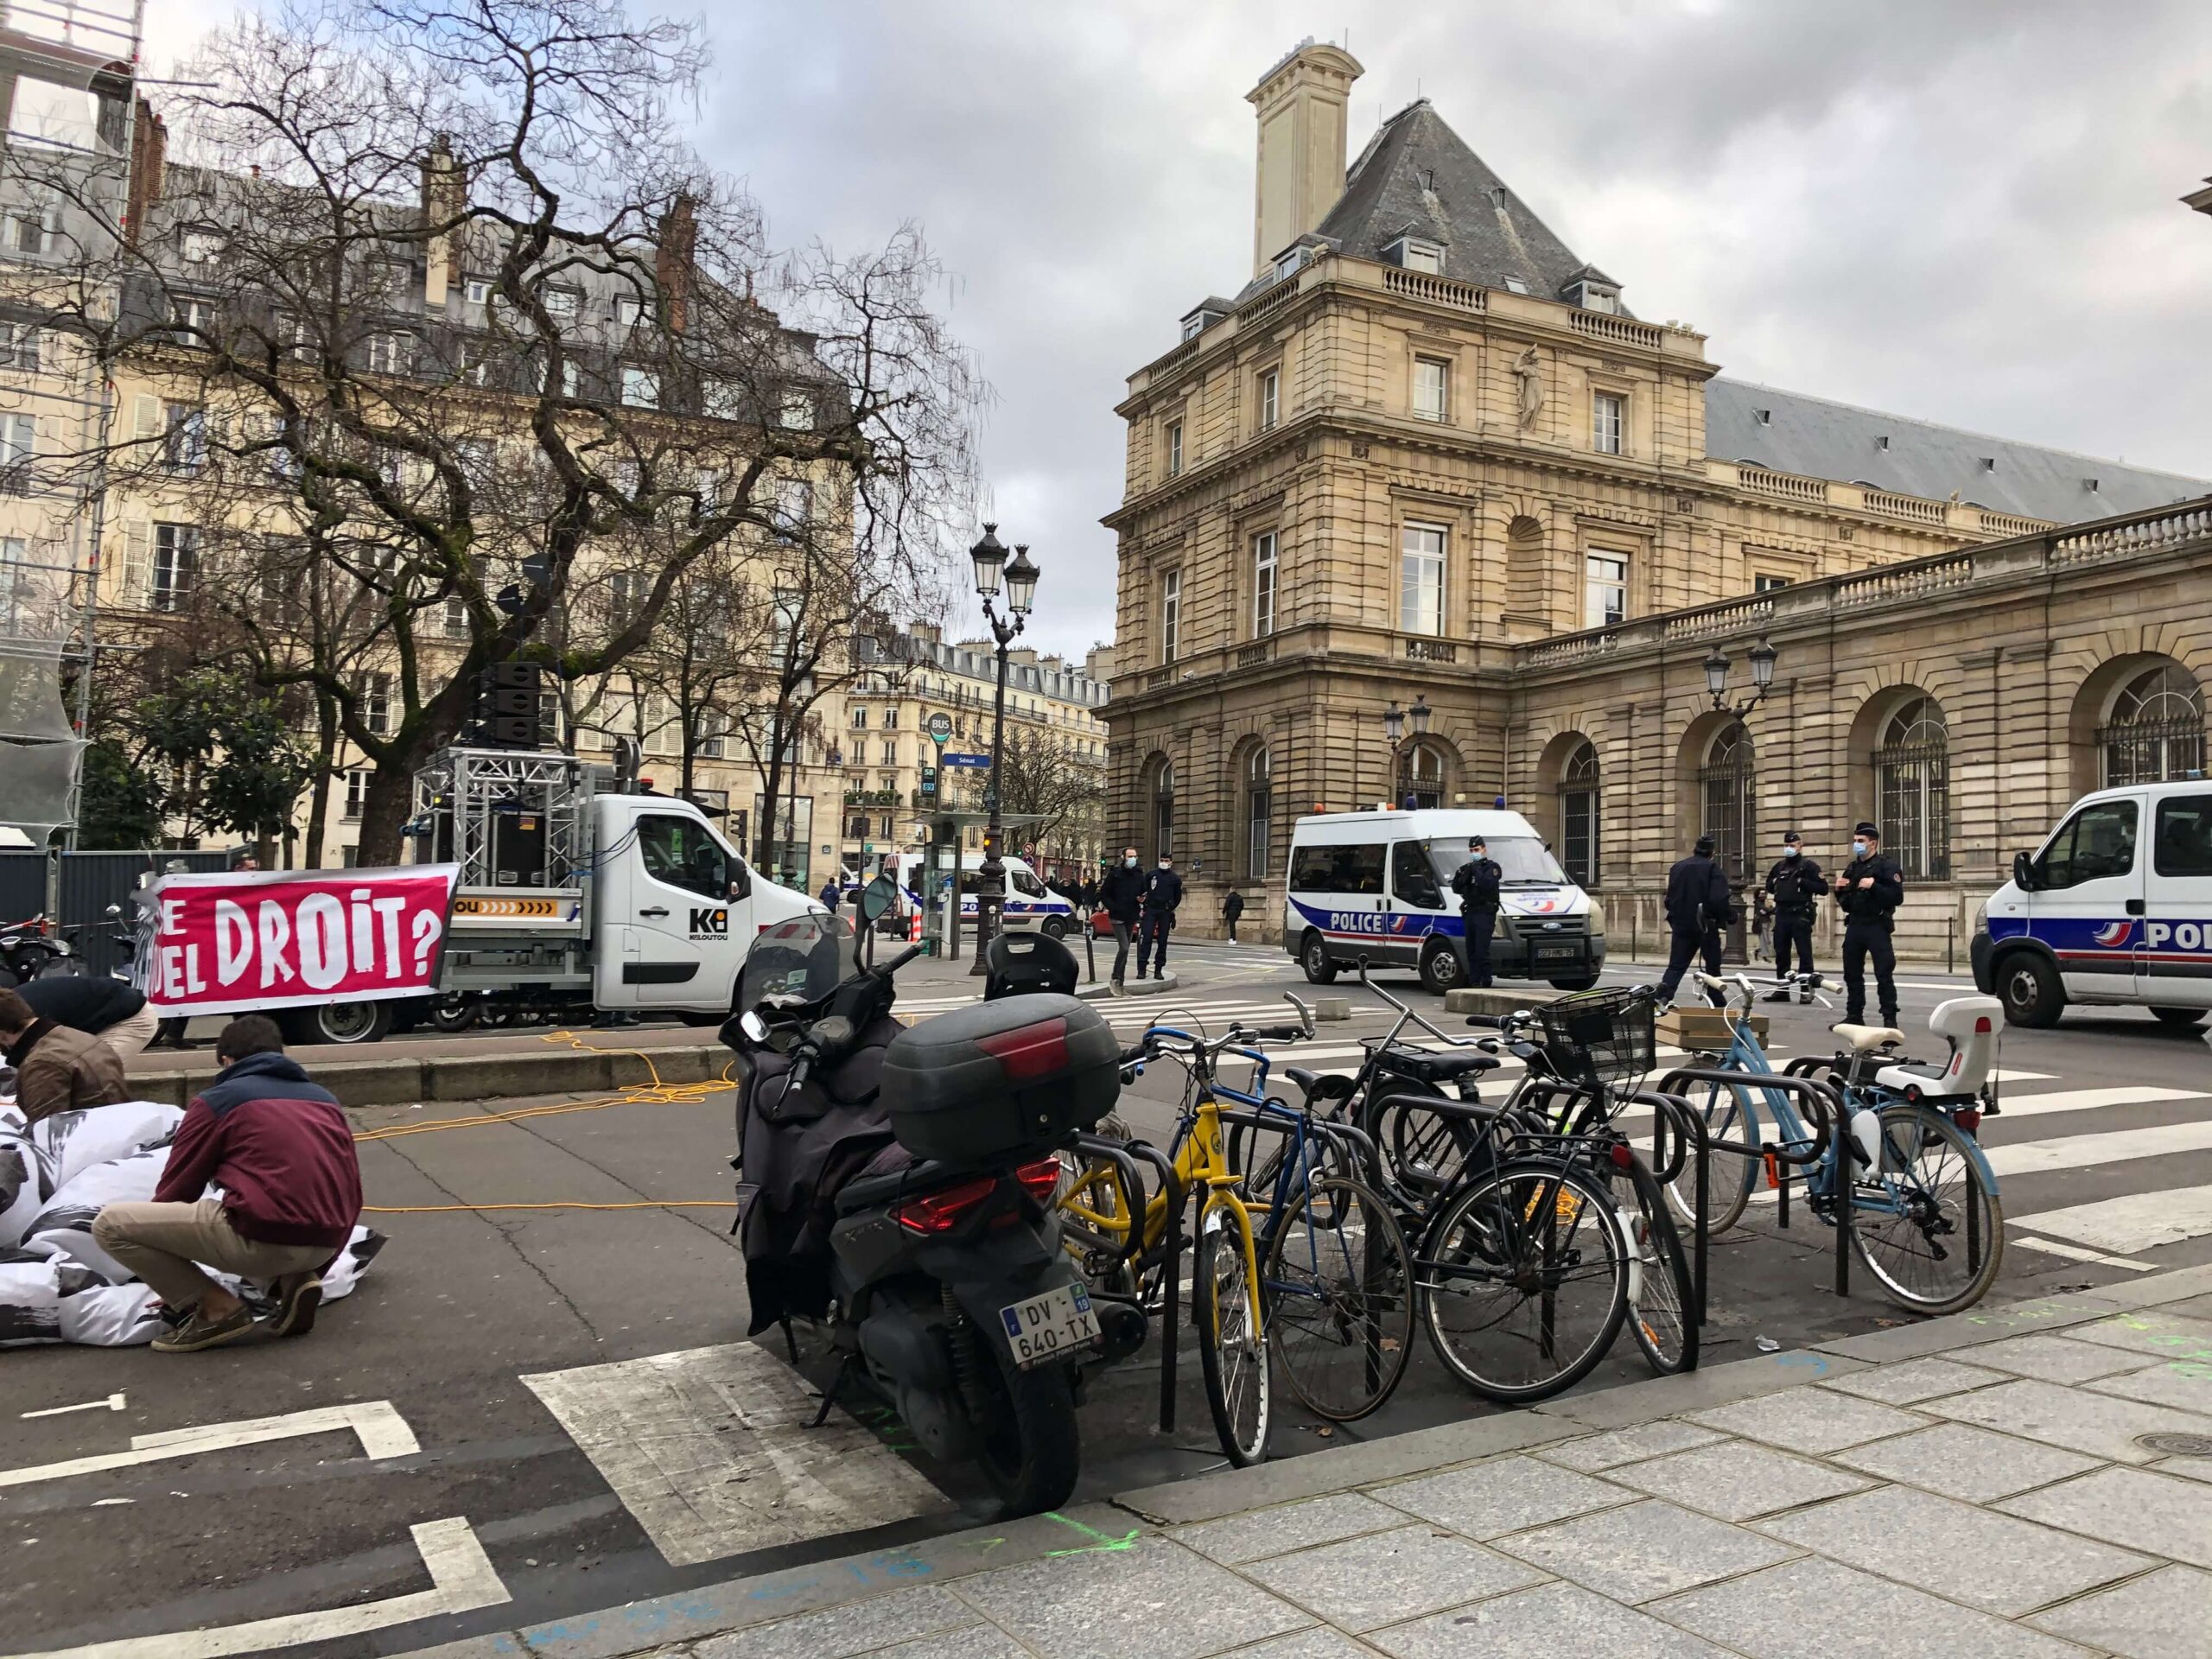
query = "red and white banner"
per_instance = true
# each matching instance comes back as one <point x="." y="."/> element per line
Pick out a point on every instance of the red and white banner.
<point x="292" y="938"/>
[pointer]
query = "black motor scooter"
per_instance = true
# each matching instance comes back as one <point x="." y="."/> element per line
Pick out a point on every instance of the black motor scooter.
<point x="899" y="1185"/>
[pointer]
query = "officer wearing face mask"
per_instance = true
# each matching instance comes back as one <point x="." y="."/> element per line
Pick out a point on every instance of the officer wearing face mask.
<point x="1121" y="896"/>
<point x="1868" y="891"/>
<point x="1163" y="892"/>
<point x="1794" y="885"/>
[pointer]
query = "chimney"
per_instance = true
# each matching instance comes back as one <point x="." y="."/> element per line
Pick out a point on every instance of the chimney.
<point x="672" y="261"/>
<point x="444" y="194"/>
<point x="149" y="156"/>
<point x="1301" y="172"/>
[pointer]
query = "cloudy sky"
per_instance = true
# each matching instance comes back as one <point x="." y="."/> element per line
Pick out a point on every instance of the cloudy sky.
<point x="1965" y="211"/>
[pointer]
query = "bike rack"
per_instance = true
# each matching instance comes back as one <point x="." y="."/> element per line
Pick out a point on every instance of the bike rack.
<point x="1831" y="1133"/>
<point x="1125" y="1156"/>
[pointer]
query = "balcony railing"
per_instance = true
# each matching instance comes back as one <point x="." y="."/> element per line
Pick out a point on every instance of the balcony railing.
<point x="1786" y="485"/>
<point x="1433" y="290"/>
<point x="1617" y="331"/>
<point x="1905" y="506"/>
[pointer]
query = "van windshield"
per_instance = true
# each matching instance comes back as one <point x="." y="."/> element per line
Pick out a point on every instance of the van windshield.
<point x="1523" y="859"/>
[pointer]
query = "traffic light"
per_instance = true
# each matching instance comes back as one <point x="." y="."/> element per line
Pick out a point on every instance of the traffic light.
<point x="510" y="709"/>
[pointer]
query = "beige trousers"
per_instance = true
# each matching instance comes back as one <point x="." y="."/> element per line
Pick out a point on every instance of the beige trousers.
<point x="160" y="1241"/>
<point x="128" y="1037"/>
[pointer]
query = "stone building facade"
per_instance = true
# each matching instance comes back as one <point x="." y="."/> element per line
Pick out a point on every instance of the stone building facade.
<point x="1428" y="453"/>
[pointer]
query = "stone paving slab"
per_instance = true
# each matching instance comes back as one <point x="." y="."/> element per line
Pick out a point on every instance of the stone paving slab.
<point x="2164" y="1615"/>
<point x="1911" y="1381"/>
<point x="1809" y="1420"/>
<point x="1599" y="1452"/>
<point x="1644" y="1551"/>
<point x="1240" y="1538"/>
<point x="1554" y="1619"/>
<point x="2184" y="1384"/>
<point x="2048" y="1359"/>
<point x="1157" y="1600"/>
<point x="2075" y="1418"/>
<point x="1510" y="1495"/>
<point x="2130" y="1507"/>
<point x="1737" y="1480"/>
<point x="1388" y="1576"/>
<point x="1962" y="1461"/>
<point x="2154" y="1332"/>
<point x="1967" y="1555"/>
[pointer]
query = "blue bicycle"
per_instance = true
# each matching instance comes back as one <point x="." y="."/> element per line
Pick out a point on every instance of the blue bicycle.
<point x="1923" y="1206"/>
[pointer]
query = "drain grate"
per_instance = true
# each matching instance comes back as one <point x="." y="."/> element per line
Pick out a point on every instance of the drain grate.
<point x="2176" y="1445"/>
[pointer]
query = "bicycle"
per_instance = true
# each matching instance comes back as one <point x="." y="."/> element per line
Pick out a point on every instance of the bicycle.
<point x="1328" y="1259"/>
<point x="1918" y="1179"/>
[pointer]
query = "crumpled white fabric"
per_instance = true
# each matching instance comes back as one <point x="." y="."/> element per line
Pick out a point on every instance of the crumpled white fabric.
<point x="55" y="1177"/>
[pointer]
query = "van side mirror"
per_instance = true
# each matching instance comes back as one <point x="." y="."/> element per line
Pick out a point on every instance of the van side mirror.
<point x="740" y="882"/>
<point x="2023" y="872"/>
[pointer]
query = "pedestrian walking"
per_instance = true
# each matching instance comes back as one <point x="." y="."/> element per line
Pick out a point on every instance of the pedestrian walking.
<point x="1477" y="882"/>
<point x="1122" y="895"/>
<point x="1794" y="885"/>
<point x="1868" y="892"/>
<point x="1232" y="908"/>
<point x="1163" y="891"/>
<point x="1698" y="905"/>
<point x="58" y="1068"/>
<point x="282" y="1153"/>
<point x="116" y="1013"/>
<point x="830" y="894"/>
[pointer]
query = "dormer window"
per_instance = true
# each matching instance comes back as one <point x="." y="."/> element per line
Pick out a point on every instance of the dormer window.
<point x="1414" y="254"/>
<point x="1514" y="285"/>
<point x="1595" y="296"/>
<point x="1194" y="326"/>
<point x="1291" y="262"/>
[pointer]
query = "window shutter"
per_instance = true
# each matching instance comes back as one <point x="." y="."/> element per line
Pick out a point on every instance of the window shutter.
<point x="138" y="565"/>
<point x="146" y="419"/>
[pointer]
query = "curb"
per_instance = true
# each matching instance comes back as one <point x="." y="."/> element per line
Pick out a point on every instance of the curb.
<point x="740" y="1604"/>
<point x="1103" y="991"/>
<point x="397" y="1082"/>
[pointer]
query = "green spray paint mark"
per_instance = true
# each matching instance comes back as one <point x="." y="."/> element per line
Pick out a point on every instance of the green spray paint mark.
<point x="1106" y="1540"/>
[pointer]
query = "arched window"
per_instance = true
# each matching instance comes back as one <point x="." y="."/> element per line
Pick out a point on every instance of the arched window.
<point x="1163" y="811"/>
<point x="1725" y="786"/>
<point x="1912" y="783"/>
<point x="1259" y="813"/>
<point x="1424" y="776"/>
<point x="2156" y="730"/>
<point x="1577" y="815"/>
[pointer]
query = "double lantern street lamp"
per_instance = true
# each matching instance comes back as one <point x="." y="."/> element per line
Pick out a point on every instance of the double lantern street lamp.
<point x="1021" y="579"/>
<point x="1394" y="727"/>
<point x="1716" y="678"/>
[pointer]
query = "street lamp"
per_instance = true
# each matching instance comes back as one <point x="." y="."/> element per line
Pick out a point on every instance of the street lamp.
<point x="1394" y="727"/>
<point x="1762" y="656"/>
<point x="989" y="558"/>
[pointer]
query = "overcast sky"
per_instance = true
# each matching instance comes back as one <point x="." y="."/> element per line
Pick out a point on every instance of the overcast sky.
<point x="1962" y="212"/>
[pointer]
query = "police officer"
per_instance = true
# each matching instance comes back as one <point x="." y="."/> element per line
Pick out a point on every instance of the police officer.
<point x="1794" y="885"/>
<point x="1868" y="892"/>
<point x="1163" y="892"/>
<point x="1698" y="906"/>
<point x="1477" y="883"/>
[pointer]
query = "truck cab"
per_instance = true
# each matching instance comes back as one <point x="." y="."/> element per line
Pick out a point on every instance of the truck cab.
<point x="2113" y="908"/>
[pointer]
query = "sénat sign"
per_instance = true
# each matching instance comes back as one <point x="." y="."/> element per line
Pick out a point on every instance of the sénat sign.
<point x="288" y="939"/>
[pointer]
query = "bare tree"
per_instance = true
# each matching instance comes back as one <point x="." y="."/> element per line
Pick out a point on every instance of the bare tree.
<point x="1039" y="775"/>
<point x="436" y="317"/>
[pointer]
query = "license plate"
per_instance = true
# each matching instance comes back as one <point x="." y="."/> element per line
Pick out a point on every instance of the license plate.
<point x="1557" y="953"/>
<point x="1047" y="1327"/>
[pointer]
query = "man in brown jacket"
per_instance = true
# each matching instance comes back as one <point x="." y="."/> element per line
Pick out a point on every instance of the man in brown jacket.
<point x="57" y="1069"/>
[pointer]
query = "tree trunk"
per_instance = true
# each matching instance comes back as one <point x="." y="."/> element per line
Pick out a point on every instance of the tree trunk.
<point x="325" y="733"/>
<point x="385" y="812"/>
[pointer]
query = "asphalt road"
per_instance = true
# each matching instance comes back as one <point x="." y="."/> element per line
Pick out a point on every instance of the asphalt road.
<point x="647" y="1473"/>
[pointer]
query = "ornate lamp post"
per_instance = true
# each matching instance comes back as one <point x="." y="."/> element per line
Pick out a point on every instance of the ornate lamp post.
<point x="1762" y="656"/>
<point x="1394" y="727"/>
<point x="989" y="558"/>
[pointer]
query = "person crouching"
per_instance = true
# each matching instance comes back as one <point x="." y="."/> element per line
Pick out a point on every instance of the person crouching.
<point x="281" y="1150"/>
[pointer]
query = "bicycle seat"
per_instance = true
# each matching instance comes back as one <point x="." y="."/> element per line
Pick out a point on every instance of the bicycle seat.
<point x="1863" y="1038"/>
<point x="1311" y="1084"/>
<point x="1436" y="1068"/>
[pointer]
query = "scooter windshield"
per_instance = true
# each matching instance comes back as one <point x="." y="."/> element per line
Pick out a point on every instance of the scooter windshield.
<point x="800" y="960"/>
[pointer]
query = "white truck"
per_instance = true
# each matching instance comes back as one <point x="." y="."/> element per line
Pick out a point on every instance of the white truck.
<point x="572" y="900"/>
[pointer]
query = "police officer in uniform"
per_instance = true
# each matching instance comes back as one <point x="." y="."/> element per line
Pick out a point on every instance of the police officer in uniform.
<point x="1868" y="891"/>
<point x="1699" y="904"/>
<point x="1794" y="885"/>
<point x="1477" y="882"/>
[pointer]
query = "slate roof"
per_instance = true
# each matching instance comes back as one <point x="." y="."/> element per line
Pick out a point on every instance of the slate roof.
<point x="1819" y="438"/>
<point x="1418" y="177"/>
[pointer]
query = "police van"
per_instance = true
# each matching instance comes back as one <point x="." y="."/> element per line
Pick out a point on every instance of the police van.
<point x="1029" y="903"/>
<point x="1378" y="885"/>
<point x="2115" y="907"/>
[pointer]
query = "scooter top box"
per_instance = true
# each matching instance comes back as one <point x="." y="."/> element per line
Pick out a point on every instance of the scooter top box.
<point x="1020" y="1072"/>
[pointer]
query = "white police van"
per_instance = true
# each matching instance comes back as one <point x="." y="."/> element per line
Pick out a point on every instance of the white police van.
<point x="1029" y="903"/>
<point x="2115" y="907"/>
<point x="1378" y="885"/>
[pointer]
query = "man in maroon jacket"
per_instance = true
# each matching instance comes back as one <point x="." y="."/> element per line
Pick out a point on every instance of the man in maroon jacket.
<point x="279" y="1148"/>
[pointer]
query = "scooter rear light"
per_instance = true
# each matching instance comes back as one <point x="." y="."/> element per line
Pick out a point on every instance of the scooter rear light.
<point x="940" y="1211"/>
<point x="1030" y="1051"/>
<point x="1041" y="1179"/>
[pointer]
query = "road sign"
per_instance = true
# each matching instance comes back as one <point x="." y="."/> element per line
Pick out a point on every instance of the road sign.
<point x="929" y="780"/>
<point x="940" y="729"/>
<point x="965" y="760"/>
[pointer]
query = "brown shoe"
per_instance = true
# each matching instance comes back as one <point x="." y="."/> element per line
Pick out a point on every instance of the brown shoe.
<point x="199" y="1331"/>
<point x="298" y="1295"/>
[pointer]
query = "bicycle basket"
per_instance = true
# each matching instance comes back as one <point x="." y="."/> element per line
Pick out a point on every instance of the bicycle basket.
<point x="1599" y="1038"/>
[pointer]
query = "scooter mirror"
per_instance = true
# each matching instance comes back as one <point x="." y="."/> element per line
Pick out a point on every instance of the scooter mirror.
<point x="754" y="1028"/>
<point x="877" y="898"/>
<point x="115" y="910"/>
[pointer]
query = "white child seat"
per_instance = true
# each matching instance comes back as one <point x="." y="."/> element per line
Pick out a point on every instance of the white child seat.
<point x="1970" y="1026"/>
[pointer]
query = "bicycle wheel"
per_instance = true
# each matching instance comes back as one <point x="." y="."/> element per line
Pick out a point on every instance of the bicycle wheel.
<point x="1928" y="1225"/>
<point x="1232" y="1355"/>
<point x="1730" y="1176"/>
<point x="1337" y="1290"/>
<point x="1661" y="1294"/>
<point x="1524" y="1280"/>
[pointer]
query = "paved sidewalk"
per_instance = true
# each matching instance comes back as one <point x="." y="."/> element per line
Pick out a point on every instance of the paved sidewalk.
<point x="2031" y="1480"/>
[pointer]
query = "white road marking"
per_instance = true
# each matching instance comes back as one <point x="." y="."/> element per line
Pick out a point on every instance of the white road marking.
<point x="383" y="1435"/>
<point x="462" y="1580"/>
<point x="2086" y="1151"/>
<point x="2074" y="1253"/>
<point x="2130" y="1224"/>
<point x="2090" y="1100"/>
<point x="709" y="1448"/>
<point x="113" y="1403"/>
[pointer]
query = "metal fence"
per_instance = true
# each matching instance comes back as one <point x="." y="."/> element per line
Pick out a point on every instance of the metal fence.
<point x="90" y="883"/>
